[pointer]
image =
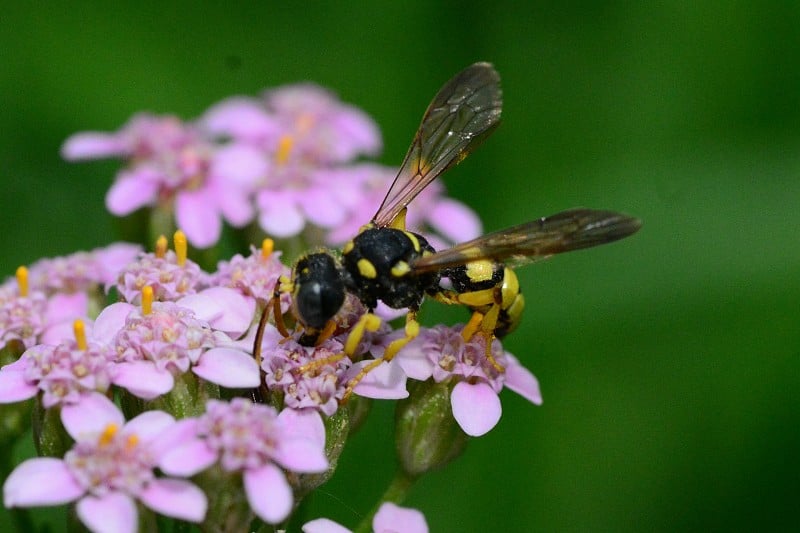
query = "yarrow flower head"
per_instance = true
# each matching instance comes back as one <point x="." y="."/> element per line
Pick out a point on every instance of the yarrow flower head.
<point x="258" y="442"/>
<point x="110" y="467"/>
<point x="161" y="340"/>
<point x="307" y="376"/>
<point x="174" y="163"/>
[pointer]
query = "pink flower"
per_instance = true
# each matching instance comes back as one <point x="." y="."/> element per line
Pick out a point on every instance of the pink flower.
<point x="172" y="162"/>
<point x="390" y="518"/>
<point x="65" y="374"/>
<point x="253" y="276"/>
<point x="153" y="348"/>
<point x="257" y="441"/>
<point x="110" y="468"/>
<point x="169" y="279"/>
<point x="442" y="353"/>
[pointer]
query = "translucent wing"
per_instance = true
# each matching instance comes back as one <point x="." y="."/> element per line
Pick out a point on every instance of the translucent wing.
<point x="562" y="232"/>
<point x="462" y="114"/>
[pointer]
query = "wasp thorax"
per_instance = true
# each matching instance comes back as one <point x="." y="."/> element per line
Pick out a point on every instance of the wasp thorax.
<point x="318" y="289"/>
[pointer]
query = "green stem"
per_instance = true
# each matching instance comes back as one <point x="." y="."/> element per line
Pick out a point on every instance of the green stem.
<point x="396" y="492"/>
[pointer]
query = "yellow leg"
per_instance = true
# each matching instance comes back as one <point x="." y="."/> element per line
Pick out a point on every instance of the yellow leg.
<point x="319" y="363"/>
<point x="367" y="322"/>
<point x="326" y="332"/>
<point x="488" y="324"/>
<point x="472" y="327"/>
<point x="411" y="330"/>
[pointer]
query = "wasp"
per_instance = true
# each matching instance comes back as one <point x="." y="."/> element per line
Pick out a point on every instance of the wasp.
<point x="386" y="262"/>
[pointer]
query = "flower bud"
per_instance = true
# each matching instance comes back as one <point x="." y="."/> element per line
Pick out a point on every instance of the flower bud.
<point x="428" y="437"/>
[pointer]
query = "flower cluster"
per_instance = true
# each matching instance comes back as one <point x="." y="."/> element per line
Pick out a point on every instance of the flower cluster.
<point x="159" y="386"/>
<point x="287" y="159"/>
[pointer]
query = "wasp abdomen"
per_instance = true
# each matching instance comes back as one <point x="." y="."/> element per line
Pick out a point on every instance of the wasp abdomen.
<point x="484" y="283"/>
<point x="377" y="262"/>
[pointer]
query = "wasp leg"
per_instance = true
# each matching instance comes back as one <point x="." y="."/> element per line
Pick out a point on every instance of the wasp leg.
<point x="479" y="323"/>
<point x="487" y="327"/>
<point x="326" y="332"/>
<point x="367" y="322"/>
<point x="319" y="363"/>
<point x="411" y="330"/>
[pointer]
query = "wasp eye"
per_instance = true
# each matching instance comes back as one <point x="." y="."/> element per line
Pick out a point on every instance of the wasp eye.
<point x="316" y="302"/>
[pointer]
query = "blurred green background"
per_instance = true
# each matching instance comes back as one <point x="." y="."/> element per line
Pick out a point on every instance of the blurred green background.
<point x="669" y="362"/>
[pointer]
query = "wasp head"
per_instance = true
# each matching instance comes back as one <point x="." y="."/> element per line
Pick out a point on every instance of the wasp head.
<point x="318" y="289"/>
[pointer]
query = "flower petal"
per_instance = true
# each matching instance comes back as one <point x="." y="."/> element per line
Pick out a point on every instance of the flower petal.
<point x="476" y="407"/>
<point x="197" y="215"/>
<point x="223" y="308"/>
<point x="92" y="145"/>
<point x="112" y="512"/>
<point x="522" y="381"/>
<point x="149" y="425"/>
<point x="455" y="220"/>
<point x="387" y="381"/>
<point x="229" y="368"/>
<point x="391" y="517"/>
<point x="268" y="493"/>
<point x="90" y="416"/>
<point x="324" y="525"/>
<point x="321" y="208"/>
<point x="143" y="379"/>
<point x="304" y="423"/>
<point x="241" y="117"/>
<point x="131" y="191"/>
<point x="40" y="481"/>
<point x="110" y="321"/>
<point x="188" y="459"/>
<point x="176" y="498"/>
<point x="279" y="214"/>
<point x="14" y="387"/>
<point x="239" y="166"/>
<point x="301" y="455"/>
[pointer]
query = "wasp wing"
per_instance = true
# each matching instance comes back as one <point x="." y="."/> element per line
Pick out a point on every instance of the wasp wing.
<point x="461" y="115"/>
<point x="562" y="232"/>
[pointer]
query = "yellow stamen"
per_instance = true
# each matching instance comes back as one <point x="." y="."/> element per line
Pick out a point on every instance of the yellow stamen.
<point x="180" y="246"/>
<point x="147" y="300"/>
<point x="108" y="434"/>
<point x="161" y="247"/>
<point x="285" y="144"/>
<point x="267" y="247"/>
<point x="80" y="334"/>
<point x="131" y="442"/>
<point x="22" y="280"/>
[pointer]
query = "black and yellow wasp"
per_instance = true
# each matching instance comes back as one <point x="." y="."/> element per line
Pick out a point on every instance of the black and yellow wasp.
<point x="385" y="262"/>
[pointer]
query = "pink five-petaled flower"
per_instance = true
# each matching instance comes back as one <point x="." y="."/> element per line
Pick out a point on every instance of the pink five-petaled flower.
<point x="109" y="468"/>
<point x="390" y="518"/>
<point x="255" y="440"/>
<point x="441" y="352"/>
